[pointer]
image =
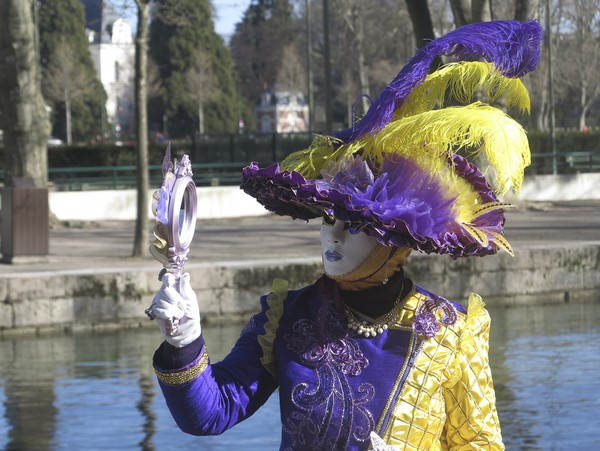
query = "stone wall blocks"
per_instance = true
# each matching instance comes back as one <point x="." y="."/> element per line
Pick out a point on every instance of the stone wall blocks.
<point x="6" y="315"/>
<point x="232" y="292"/>
<point x="32" y="312"/>
<point x="132" y="308"/>
<point x="62" y="311"/>
<point x="91" y="310"/>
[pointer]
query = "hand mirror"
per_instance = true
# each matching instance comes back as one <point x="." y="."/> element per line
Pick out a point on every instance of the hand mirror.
<point x="174" y="206"/>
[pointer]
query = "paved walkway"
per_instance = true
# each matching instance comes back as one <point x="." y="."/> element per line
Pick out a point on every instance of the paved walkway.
<point x="102" y="246"/>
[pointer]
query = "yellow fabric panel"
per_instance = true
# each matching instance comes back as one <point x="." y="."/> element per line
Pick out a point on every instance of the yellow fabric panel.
<point x="448" y="400"/>
<point x="471" y="403"/>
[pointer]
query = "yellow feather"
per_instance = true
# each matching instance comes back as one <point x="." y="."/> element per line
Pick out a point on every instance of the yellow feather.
<point x="309" y="162"/>
<point x="476" y="129"/>
<point x="461" y="82"/>
<point x="489" y="207"/>
<point x="476" y="233"/>
<point x="502" y="243"/>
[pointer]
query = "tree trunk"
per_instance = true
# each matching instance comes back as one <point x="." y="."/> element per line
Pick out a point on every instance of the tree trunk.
<point x="68" y="121"/>
<point x="421" y="20"/>
<point x="540" y="117"/>
<point x="586" y="102"/>
<point x="23" y="112"/>
<point x="470" y="11"/>
<point x="140" y="245"/>
<point x="526" y="10"/>
<point x="363" y="73"/>
<point x="420" y="17"/>
<point x="200" y="118"/>
<point x="327" y="68"/>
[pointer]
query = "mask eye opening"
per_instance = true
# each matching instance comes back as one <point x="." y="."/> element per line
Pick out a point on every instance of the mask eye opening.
<point x="328" y="219"/>
<point x="352" y="228"/>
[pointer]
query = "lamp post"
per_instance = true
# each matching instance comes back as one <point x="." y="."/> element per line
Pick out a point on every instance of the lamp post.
<point x="309" y="73"/>
<point x="551" y="89"/>
<point x="327" y="67"/>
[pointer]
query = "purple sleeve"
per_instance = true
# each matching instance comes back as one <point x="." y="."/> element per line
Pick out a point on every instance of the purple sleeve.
<point x="224" y="393"/>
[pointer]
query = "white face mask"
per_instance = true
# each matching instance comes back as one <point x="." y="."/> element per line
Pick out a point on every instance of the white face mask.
<point x="343" y="251"/>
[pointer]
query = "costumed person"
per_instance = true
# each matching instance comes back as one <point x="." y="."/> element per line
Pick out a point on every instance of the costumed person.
<point x="364" y="358"/>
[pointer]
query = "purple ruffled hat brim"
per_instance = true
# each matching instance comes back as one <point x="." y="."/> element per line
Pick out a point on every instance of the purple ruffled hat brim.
<point x="398" y="208"/>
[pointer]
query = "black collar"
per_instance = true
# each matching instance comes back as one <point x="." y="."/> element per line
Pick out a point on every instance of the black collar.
<point x="378" y="300"/>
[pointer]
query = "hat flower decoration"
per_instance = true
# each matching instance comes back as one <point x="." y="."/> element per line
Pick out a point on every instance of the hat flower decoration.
<point x="417" y="170"/>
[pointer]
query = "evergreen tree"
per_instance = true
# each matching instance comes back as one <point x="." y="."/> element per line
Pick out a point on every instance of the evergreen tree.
<point x="63" y="23"/>
<point x="178" y="31"/>
<point x="259" y="43"/>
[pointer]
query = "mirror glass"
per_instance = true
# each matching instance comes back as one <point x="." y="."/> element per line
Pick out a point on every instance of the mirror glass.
<point x="182" y="209"/>
<point x="182" y="218"/>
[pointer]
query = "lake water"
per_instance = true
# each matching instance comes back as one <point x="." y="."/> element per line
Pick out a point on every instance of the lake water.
<point x="97" y="391"/>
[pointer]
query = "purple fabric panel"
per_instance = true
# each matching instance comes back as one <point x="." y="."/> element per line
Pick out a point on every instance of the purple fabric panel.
<point x="226" y="392"/>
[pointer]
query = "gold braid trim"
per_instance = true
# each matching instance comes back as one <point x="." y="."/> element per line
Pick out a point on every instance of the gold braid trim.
<point x="183" y="377"/>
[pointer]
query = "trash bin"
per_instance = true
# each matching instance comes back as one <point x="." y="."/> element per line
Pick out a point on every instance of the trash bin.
<point x="24" y="215"/>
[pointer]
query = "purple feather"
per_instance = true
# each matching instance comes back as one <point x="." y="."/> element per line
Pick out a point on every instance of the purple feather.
<point x="513" y="47"/>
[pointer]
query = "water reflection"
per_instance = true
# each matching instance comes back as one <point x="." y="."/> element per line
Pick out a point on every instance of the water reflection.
<point x="545" y="362"/>
<point x="97" y="391"/>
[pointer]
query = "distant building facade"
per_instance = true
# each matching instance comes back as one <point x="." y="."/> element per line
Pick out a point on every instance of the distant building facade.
<point x="112" y="48"/>
<point x="282" y="112"/>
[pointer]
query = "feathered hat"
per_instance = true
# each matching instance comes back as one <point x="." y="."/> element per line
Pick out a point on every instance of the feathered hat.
<point x="415" y="172"/>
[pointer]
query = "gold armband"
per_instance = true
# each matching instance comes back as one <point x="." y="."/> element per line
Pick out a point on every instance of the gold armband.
<point x="183" y="377"/>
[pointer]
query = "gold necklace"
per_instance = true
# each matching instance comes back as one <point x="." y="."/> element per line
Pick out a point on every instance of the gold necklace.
<point x="371" y="327"/>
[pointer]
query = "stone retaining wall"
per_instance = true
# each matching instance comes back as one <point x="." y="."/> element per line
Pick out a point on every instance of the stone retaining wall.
<point x="229" y="292"/>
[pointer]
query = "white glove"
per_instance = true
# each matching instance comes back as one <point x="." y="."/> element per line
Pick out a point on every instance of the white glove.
<point x="175" y="308"/>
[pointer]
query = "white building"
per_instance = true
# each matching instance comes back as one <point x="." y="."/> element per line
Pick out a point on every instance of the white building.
<point x="113" y="53"/>
<point x="282" y="112"/>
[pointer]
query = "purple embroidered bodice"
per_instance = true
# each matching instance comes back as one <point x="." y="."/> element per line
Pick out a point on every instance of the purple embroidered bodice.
<point x="333" y="385"/>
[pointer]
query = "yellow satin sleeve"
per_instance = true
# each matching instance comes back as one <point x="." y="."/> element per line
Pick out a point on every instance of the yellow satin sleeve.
<point x="447" y="401"/>
<point x="472" y="419"/>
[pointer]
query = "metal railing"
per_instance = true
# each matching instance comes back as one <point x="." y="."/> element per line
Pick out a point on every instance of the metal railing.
<point x="564" y="162"/>
<point x="228" y="173"/>
<point x="124" y="177"/>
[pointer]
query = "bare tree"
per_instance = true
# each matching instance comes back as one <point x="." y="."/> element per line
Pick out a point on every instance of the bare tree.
<point x="353" y="14"/>
<point x="201" y="83"/>
<point x="140" y="244"/>
<point x="24" y="118"/>
<point x="65" y="80"/>
<point x="387" y="41"/>
<point x="291" y="74"/>
<point x="143" y="83"/>
<point x="347" y="90"/>
<point x="579" y="48"/>
<point x="526" y="9"/>
<point x="471" y="11"/>
<point x="421" y="19"/>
